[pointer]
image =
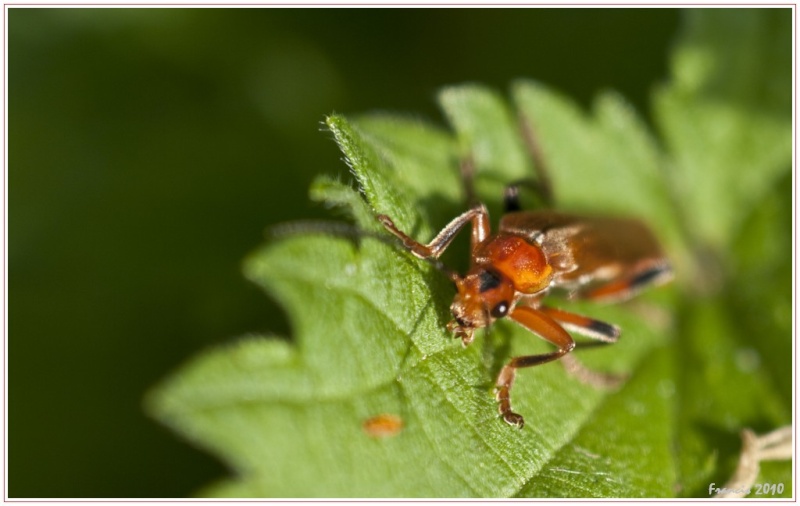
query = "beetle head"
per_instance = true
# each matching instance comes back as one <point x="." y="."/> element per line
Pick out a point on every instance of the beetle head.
<point x="484" y="295"/>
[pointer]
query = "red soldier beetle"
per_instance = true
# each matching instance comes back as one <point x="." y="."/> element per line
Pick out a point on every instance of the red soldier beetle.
<point x="596" y="258"/>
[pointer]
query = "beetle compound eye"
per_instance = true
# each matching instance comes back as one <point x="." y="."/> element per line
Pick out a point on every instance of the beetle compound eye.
<point x="500" y="310"/>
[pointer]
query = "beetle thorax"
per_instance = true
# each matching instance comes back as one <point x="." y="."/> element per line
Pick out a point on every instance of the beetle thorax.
<point x="523" y="263"/>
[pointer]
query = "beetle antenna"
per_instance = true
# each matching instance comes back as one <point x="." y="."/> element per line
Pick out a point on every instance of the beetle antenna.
<point x="337" y="228"/>
<point x="453" y="275"/>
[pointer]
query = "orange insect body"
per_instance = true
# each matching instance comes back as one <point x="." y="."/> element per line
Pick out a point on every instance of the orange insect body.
<point x="512" y="271"/>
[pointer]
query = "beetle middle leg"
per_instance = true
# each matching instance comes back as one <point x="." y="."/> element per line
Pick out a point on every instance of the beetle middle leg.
<point x="603" y="334"/>
<point x="544" y="326"/>
<point x="511" y="201"/>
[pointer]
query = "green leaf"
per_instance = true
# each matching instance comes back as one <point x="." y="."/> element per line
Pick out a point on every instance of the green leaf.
<point x="726" y="117"/>
<point x="488" y="138"/>
<point x="598" y="460"/>
<point x="723" y="388"/>
<point x="368" y="323"/>
<point x="290" y="417"/>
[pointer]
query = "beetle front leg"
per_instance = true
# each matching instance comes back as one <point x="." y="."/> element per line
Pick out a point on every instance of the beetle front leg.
<point x="480" y="231"/>
<point x="544" y="326"/>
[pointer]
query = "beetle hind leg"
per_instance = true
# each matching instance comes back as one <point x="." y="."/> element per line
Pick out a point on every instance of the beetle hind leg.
<point x="651" y="274"/>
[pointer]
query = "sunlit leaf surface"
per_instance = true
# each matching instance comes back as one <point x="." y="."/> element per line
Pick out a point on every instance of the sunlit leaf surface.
<point x="704" y="358"/>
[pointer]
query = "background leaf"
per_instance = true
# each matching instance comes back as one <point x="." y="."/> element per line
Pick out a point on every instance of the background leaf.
<point x="368" y="319"/>
<point x="724" y="116"/>
<point x="726" y="121"/>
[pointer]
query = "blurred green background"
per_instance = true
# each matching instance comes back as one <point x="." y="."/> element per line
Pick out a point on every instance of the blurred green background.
<point x="150" y="148"/>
